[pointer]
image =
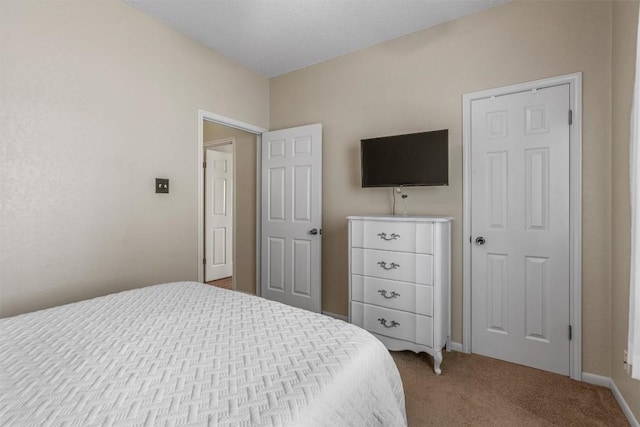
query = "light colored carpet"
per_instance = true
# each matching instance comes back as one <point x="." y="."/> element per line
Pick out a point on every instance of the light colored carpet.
<point x="480" y="391"/>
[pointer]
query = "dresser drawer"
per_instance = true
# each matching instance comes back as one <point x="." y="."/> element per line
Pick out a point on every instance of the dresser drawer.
<point x="391" y="294"/>
<point x="393" y="236"/>
<point x="406" y="267"/>
<point x="399" y="324"/>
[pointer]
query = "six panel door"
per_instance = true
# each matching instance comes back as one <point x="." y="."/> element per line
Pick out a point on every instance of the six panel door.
<point x="292" y="216"/>
<point x="520" y="207"/>
<point x="219" y="215"/>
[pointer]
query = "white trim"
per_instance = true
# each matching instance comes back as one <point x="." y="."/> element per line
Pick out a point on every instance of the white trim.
<point x="226" y="121"/>
<point x="455" y="346"/>
<point x="575" y="235"/>
<point x="258" y="214"/>
<point x="633" y="333"/>
<point x="611" y="385"/>
<point x="466" y="224"/>
<point x="623" y="405"/>
<point x="336" y="316"/>
<point x="596" y="379"/>
<point x="219" y="142"/>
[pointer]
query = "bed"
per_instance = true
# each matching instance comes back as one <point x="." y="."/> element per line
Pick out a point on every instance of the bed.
<point x="192" y="354"/>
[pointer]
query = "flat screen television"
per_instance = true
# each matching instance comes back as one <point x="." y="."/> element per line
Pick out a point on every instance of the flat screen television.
<point x="403" y="160"/>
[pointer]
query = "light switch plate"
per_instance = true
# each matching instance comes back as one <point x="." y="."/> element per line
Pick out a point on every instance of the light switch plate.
<point x="162" y="185"/>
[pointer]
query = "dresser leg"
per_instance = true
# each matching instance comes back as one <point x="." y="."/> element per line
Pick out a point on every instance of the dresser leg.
<point x="437" y="360"/>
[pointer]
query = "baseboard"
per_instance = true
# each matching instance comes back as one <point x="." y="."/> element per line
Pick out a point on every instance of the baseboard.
<point x="596" y="379"/>
<point x="623" y="404"/>
<point x="336" y="316"/>
<point x="611" y="385"/>
<point x="455" y="346"/>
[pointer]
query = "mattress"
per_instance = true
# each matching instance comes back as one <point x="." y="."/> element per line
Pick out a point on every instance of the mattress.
<point x="191" y="354"/>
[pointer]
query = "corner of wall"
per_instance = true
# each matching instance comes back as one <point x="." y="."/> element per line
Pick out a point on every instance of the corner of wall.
<point x="623" y="40"/>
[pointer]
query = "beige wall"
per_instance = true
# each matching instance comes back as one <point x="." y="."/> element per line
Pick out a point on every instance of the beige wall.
<point x="625" y="21"/>
<point x="416" y="83"/>
<point x="99" y="99"/>
<point x="244" y="219"/>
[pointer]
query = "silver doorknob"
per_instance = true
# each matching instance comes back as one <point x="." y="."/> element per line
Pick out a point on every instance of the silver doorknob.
<point x="313" y="231"/>
<point x="480" y="241"/>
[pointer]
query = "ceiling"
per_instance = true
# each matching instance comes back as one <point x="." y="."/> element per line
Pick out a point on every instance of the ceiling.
<point x="274" y="37"/>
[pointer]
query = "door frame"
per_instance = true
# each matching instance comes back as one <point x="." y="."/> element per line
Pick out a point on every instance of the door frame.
<point x="212" y="145"/>
<point x="575" y="208"/>
<point x="237" y="124"/>
<point x="219" y="142"/>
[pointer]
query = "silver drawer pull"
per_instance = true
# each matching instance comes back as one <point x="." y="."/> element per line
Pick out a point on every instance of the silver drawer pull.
<point x="393" y="236"/>
<point x="393" y="323"/>
<point x="392" y="266"/>
<point x="383" y="292"/>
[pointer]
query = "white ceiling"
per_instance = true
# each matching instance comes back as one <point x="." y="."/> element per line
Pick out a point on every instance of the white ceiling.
<point x="274" y="37"/>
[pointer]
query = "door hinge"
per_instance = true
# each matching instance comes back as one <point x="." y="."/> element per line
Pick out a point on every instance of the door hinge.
<point x="204" y="261"/>
<point x="570" y="117"/>
<point x="570" y="333"/>
<point x="204" y="165"/>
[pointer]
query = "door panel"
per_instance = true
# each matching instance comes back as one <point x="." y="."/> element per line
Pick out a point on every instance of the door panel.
<point x="291" y="208"/>
<point x="275" y="264"/>
<point x="276" y="199"/>
<point x="497" y="292"/>
<point x="301" y="271"/>
<point x="218" y="215"/>
<point x="520" y="206"/>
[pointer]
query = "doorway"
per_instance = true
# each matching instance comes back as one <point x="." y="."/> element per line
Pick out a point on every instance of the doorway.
<point x="227" y="204"/>
<point x="522" y="229"/>
<point x="304" y="142"/>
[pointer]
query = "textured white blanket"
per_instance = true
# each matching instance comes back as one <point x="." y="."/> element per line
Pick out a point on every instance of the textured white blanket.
<point x="191" y="354"/>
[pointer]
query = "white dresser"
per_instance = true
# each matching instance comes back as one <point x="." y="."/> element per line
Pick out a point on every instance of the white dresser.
<point x="399" y="281"/>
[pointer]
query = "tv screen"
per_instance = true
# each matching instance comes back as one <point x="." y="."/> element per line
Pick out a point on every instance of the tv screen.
<point x="402" y="160"/>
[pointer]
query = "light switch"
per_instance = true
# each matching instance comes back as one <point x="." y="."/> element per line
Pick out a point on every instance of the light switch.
<point x="162" y="185"/>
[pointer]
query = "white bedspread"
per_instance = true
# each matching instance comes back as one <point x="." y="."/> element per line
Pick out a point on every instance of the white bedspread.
<point x="191" y="354"/>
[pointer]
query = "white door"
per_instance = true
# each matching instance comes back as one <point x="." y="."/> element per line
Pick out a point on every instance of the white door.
<point x="520" y="228"/>
<point x="218" y="215"/>
<point x="292" y="216"/>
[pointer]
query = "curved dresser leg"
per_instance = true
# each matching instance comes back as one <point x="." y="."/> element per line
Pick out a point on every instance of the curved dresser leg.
<point x="437" y="360"/>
